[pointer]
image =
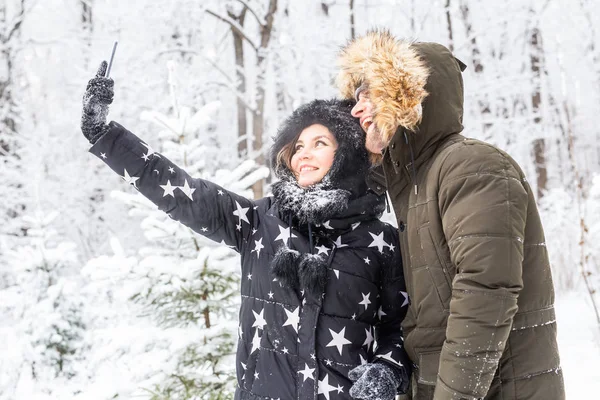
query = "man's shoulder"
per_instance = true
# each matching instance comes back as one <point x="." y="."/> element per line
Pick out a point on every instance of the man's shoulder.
<point x="469" y="155"/>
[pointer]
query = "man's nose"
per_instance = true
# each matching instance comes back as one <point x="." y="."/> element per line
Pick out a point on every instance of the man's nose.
<point x="357" y="110"/>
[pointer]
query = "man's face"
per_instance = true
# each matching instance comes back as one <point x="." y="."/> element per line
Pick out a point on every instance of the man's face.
<point x="364" y="111"/>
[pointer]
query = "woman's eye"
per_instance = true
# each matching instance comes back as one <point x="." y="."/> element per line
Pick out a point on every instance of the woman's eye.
<point x="321" y="143"/>
<point x="297" y="148"/>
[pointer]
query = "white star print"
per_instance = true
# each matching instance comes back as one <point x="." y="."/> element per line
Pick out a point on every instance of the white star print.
<point x="322" y="250"/>
<point x="365" y="301"/>
<point x="326" y="224"/>
<point x="169" y="189"/>
<point x="378" y="242"/>
<point x="338" y="339"/>
<point x="307" y="373"/>
<point x="171" y="170"/>
<point x="388" y="356"/>
<point x="258" y="246"/>
<point x="187" y="190"/>
<point x="405" y="302"/>
<point x="220" y="192"/>
<point x="255" y="342"/>
<point x="292" y="318"/>
<point x="129" y="179"/>
<point x="254" y="231"/>
<point x="380" y="312"/>
<point x="259" y="319"/>
<point x="249" y="276"/>
<point x="285" y="350"/>
<point x="103" y="155"/>
<point x="369" y="338"/>
<point x="325" y="387"/>
<point x="284" y="235"/>
<point x="367" y="261"/>
<point x="204" y="229"/>
<point x="338" y="243"/>
<point x="225" y="244"/>
<point x="392" y="247"/>
<point x="150" y="151"/>
<point x="270" y="294"/>
<point x="354" y="316"/>
<point x="241" y="212"/>
<point x="256" y="375"/>
<point x="339" y="389"/>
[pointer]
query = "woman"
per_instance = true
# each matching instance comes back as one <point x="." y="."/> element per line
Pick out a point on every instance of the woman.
<point x="321" y="278"/>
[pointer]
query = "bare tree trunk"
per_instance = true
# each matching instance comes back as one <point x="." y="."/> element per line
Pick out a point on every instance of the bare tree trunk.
<point x="584" y="269"/>
<point x="595" y="54"/>
<point x="261" y="49"/>
<point x="8" y="123"/>
<point x="238" y="45"/>
<point x="413" y="22"/>
<point x="352" y="27"/>
<point x="258" y="120"/>
<point x="539" y="144"/>
<point x="484" y="106"/>
<point x="10" y="30"/>
<point x="87" y="20"/>
<point x="449" y="22"/>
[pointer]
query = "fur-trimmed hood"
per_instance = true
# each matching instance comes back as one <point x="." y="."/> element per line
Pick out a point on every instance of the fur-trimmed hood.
<point x="338" y="201"/>
<point x="351" y="162"/>
<point x="413" y="85"/>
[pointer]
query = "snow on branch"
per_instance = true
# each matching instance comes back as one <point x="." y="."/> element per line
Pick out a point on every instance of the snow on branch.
<point x="235" y="26"/>
<point x="260" y="20"/>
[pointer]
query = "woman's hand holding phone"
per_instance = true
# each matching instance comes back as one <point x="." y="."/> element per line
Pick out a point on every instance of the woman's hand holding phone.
<point x="96" y="99"/>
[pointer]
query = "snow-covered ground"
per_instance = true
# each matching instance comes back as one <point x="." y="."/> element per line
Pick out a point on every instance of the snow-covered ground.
<point x="579" y="341"/>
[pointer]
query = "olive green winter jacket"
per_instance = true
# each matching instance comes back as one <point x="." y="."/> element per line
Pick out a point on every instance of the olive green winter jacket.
<point x="481" y="322"/>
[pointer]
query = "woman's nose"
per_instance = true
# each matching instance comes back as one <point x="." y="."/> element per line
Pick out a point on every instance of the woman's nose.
<point x="304" y="153"/>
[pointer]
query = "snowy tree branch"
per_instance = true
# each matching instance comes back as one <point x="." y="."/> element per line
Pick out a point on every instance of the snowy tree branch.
<point x="260" y="20"/>
<point x="235" y="26"/>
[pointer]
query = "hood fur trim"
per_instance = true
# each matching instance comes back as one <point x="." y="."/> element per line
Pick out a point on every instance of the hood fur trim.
<point x="393" y="73"/>
<point x="313" y="205"/>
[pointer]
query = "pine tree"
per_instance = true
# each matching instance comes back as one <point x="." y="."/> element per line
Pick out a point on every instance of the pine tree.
<point x="43" y="306"/>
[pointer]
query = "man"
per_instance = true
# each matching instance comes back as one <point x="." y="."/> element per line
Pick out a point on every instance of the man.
<point x="481" y="322"/>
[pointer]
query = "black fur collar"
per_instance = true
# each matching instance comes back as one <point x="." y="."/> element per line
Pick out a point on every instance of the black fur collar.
<point x="313" y="205"/>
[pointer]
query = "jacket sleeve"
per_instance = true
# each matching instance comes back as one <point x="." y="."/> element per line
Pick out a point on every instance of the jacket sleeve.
<point x="392" y="310"/>
<point x="483" y="206"/>
<point x="203" y="206"/>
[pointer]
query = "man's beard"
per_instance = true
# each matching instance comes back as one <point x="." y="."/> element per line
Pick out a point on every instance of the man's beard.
<point x="374" y="140"/>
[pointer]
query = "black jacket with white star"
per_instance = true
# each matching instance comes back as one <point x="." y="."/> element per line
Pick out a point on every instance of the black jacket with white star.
<point x="293" y="344"/>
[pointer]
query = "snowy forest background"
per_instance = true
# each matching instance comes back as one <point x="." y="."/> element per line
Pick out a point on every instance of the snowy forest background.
<point x="104" y="297"/>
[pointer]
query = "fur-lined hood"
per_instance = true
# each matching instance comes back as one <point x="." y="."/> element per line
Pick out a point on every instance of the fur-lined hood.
<point x="414" y="85"/>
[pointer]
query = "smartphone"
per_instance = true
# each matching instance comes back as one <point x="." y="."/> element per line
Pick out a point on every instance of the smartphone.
<point x="112" y="56"/>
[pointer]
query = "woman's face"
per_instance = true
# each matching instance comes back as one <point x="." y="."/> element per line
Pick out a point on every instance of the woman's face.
<point x="313" y="155"/>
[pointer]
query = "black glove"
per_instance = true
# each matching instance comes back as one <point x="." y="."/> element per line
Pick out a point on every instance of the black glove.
<point x="374" y="381"/>
<point x="98" y="95"/>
